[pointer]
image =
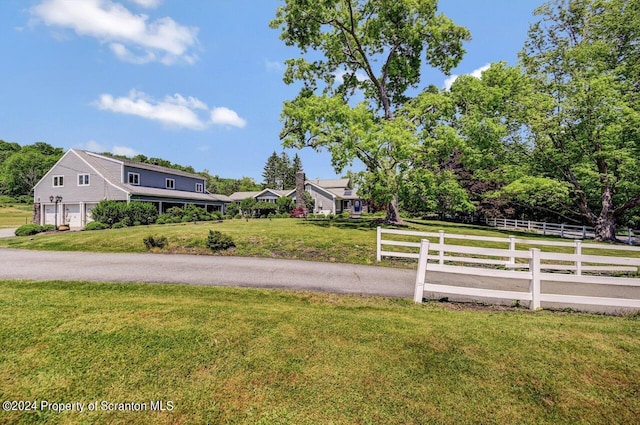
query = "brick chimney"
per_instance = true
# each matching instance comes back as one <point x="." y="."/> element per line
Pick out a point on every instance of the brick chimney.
<point x="300" y="191"/>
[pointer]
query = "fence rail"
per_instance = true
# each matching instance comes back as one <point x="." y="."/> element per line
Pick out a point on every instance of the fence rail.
<point x="562" y="230"/>
<point x="531" y="265"/>
<point x="578" y="265"/>
<point x="533" y="273"/>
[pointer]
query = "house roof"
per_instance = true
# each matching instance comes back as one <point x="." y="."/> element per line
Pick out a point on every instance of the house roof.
<point x="331" y="183"/>
<point x="95" y="161"/>
<point x="239" y="196"/>
<point x="175" y="194"/>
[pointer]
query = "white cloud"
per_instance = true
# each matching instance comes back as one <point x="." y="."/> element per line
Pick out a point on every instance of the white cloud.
<point x="149" y="4"/>
<point x="123" y="150"/>
<point x="173" y="111"/>
<point x="360" y="76"/>
<point x="225" y="116"/>
<point x="161" y="40"/>
<point x="274" y="66"/>
<point x="94" y="146"/>
<point x="475" y="73"/>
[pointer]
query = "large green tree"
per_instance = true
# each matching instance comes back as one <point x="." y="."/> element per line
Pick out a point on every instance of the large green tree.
<point x="23" y="168"/>
<point x="359" y="61"/>
<point x="584" y="56"/>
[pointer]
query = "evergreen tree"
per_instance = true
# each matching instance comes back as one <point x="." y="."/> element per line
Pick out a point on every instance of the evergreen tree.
<point x="271" y="170"/>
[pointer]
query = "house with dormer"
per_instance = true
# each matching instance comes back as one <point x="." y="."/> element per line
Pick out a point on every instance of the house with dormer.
<point x="81" y="179"/>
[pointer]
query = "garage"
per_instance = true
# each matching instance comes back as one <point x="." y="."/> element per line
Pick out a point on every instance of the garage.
<point x="49" y="214"/>
<point x="72" y="215"/>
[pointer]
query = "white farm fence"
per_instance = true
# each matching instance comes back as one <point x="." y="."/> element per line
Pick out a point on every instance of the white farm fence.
<point x="562" y="230"/>
<point x="532" y="265"/>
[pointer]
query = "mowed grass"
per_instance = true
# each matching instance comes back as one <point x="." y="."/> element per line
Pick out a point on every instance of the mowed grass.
<point x="246" y="356"/>
<point x="346" y="241"/>
<point x="15" y="215"/>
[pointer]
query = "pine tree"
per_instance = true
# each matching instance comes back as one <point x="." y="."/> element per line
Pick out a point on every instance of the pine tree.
<point x="271" y="170"/>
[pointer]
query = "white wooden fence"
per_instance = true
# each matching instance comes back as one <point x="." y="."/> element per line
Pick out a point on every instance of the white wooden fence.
<point x="532" y="265"/>
<point x="562" y="230"/>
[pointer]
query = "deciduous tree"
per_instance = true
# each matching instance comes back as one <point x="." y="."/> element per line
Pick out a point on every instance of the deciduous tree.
<point x="583" y="55"/>
<point x="359" y="60"/>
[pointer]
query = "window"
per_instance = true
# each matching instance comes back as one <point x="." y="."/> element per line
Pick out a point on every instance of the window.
<point x="134" y="178"/>
<point x="83" y="179"/>
<point x="199" y="187"/>
<point x="170" y="183"/>
<point x="58" y="181"/>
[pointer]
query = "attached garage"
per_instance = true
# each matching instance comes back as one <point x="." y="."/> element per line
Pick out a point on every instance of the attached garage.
<point x="72" y="215"/>
<point x="50" y="214"/>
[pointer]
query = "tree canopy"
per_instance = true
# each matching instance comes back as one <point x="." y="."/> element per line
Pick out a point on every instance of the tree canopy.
<point x="359" y="59"/>
<point x="583" y="57"/>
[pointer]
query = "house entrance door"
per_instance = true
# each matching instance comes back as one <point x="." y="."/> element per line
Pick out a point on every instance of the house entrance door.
<point x="357" y="207"/>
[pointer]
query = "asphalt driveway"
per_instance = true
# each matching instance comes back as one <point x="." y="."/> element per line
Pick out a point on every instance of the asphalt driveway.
<point x="206" y="270"/>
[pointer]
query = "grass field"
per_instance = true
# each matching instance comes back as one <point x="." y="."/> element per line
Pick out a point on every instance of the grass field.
<point x="347" y="241"/>
<point x="237" y="356"/>
<point x="15" y="215"/>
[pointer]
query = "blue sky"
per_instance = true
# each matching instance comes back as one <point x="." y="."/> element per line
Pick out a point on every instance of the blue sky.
<point x="195" y="82"/>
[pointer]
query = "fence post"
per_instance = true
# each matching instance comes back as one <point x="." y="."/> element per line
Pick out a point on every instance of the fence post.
<point x="512" y="247"/>
<point x="562" y="230"/>
<point x="529" y="225"/>
<point x="441" y="252"/>
<point x="578" y="251"/>
<point x="515" y="224"/>
<point x="418" y="293"/>
<point x="534" y="285"/>
<point x="630" y="237"/>
<point x="378" y="245"/>
<point x="544" y="228"/>
<point x="504" y="222"/>
<point x="584" y="232"/>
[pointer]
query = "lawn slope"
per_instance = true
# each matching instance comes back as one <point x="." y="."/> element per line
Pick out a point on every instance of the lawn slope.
<point x="223" y="355"/>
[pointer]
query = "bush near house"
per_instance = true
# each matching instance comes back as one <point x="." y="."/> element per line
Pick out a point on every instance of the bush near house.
<point x="96" y="225"/>
<point x="189" y="214"/>
<point x="33" y="229"/>
<point x="120" y="214"/>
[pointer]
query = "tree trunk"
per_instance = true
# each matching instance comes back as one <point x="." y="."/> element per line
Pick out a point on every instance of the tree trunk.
<point x="605" y="228"/>
<point x="393" y="214"/>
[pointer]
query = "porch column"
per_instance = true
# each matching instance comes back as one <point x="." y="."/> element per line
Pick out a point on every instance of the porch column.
<point x="83" y="214"/>
<point x="160" y="207"/>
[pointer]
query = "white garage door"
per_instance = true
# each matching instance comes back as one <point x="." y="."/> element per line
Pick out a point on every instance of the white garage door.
<point x="49" y="214"/>
<point x="72" y="215"/>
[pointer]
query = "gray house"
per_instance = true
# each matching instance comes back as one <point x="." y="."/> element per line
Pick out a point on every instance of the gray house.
<point x="81" y="179"/>
<point x="329" y="196"/>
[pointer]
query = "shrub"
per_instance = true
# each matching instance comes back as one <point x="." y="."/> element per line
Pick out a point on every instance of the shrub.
<point x="217" y="241"/>
<point x="238" y="216"/>
<point x="155" y="241"/>
<point x="109" y="212"/>
<point x="119" y="225"/>
<point x="48" y="228"/>
<point x="142" y="212"/>
<point x="29" y="229"/>
<point x="96" y="225"/>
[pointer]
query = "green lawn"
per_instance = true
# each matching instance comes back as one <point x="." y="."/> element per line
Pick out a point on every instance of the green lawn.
<point x="348" y="241"/>
<point x="224" y="355"/>
<point x="15" y="215"/>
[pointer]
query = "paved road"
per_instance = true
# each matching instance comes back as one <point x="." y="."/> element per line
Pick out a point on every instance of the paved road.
<point x="264" y="273"/>
<point x="206" y="270"/>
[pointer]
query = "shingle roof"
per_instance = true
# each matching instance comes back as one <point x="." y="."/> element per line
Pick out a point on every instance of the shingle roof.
<point x="94" y="160"/>
<point x="239" y="196"/>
